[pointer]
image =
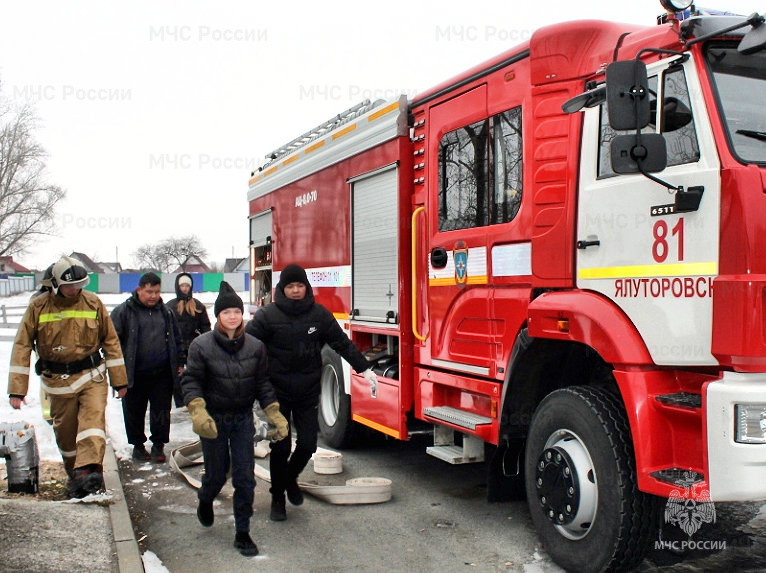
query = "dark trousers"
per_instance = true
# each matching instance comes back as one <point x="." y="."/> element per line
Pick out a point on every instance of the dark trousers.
<point x="283" y="466"/>
<point x="154" y="390"/>
<point x="233" y="447"/>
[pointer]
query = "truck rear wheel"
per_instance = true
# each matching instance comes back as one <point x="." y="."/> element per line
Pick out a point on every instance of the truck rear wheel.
<point x="335" y="423"/>
<point x="581" y="482"/>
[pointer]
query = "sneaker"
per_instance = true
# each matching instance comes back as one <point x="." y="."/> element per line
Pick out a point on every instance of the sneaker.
<point x="158" y="453"/>
<point x="278" y="512"/>
<point x="245" y="544"/>
<point x="205" y="513"/>
<point x="294" y="493"/>
<point x="140" y="453"/>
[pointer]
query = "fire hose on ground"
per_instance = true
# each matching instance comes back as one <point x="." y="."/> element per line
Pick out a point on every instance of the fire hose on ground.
<point x="361" y="490"/>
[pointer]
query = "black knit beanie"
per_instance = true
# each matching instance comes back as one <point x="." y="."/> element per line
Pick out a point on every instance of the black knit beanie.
<point x="227" y="298"/>
<point x="292" y="274"/>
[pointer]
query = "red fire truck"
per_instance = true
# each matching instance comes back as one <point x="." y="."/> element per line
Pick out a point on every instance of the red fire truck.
<point x="553" y="261"/>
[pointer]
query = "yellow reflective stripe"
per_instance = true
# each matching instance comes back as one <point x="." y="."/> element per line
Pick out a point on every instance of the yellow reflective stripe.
<point x="57" y="316"/>
<point x="635" y="271"/>
<point x="452" y="281"/>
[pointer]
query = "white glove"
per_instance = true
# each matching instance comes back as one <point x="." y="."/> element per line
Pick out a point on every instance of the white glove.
<point x="372" y="378"/>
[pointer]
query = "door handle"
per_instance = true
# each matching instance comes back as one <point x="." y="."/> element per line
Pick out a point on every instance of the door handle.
<point x="589" y="242"/>
<point x="439" y="257"/>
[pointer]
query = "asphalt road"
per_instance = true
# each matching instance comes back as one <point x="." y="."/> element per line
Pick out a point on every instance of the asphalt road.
<point x="437" y="520"/>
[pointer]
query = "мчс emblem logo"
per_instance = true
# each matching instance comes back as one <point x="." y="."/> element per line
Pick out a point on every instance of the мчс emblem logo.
<point x="460" y="256"/>
<point x="687" y="512"/>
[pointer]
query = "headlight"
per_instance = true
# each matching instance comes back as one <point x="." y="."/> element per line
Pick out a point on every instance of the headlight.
<point x="751" y="423"/>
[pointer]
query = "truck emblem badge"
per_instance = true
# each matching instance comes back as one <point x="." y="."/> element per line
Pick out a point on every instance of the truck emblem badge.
<point x="460" y="254"/>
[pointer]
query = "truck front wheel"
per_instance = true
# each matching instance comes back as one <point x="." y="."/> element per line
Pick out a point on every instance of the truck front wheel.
<point x="581" y="482"/>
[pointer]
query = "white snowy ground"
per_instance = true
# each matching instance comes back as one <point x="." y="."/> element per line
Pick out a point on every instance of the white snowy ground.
<point x="32" y="413"/>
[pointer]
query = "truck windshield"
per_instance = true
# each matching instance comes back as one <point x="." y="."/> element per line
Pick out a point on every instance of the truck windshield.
<point x="740" y="82"/>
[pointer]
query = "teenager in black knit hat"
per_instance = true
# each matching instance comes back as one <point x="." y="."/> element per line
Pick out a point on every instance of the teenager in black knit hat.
<point x="294" y="329"/>
<point x="226" y="371"/>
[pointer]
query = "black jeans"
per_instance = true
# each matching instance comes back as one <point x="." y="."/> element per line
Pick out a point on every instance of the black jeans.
<point x="156" y="391"/>
<point x="284" y="467"/>
<point x="233" y="446"/>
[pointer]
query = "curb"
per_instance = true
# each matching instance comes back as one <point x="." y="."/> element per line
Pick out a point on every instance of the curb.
<point x="128" y="556"/>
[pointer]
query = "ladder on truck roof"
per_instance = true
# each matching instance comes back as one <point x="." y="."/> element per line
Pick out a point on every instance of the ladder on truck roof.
<point x="324" y="127"/>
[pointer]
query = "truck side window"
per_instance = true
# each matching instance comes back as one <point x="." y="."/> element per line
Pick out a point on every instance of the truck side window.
<point x="463" y="177"/>
<point x="480" y="179"/>
<point x="676" y="119"/>
<point x="506" y="138"/>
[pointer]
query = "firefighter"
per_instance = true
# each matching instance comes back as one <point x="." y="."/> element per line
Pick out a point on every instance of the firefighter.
<point x="295" y="329"/>
<point x="70" y="328"/>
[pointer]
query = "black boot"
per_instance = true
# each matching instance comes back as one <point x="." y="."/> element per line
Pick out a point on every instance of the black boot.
<point x="205" y="513"/>
<point x="245" y="544"/>
<point x="278" y="512"/>
<point x="294" y="493"/>
<point x="85" y="481"/>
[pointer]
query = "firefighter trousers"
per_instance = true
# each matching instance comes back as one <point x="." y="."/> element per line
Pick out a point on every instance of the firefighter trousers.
<point x="79" y="422"/>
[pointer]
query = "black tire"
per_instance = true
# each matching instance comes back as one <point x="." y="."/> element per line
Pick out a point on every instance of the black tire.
<point x="335" y="423"/>
<point x="581" y="482"/>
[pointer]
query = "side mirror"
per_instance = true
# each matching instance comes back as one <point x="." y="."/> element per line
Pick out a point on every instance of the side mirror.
<point x="627" y="94"/>
<point x="631" y="154"/>
<point x="754" y="40"/>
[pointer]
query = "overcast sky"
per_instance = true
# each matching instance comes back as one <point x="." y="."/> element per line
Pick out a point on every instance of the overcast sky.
<point x="155" y="113"/>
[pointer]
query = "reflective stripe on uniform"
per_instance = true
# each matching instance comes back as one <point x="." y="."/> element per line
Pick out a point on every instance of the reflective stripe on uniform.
<point x="115" y="362"/>
<point x="19" y="370"/>
<point x="75" y="386"/>
<point x="64" y="314"/>
<point x="90" y="433"/>
<point x="65" y="454"/>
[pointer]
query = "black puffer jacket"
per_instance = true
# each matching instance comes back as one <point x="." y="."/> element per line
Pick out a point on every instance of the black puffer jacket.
<point x="127" y="320"/>
<point x="295" y="331"/>
<point x="230" y="374"/>
<point x="190" y="326"/>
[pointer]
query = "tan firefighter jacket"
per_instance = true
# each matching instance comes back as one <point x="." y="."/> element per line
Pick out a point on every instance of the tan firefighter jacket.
<point x="65" y="330"/>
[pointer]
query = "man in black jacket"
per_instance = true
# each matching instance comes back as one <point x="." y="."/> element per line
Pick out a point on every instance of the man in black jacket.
<point x="151" y="345"/>
<point x="295" y="329"/>
<point x="226" y="372"/>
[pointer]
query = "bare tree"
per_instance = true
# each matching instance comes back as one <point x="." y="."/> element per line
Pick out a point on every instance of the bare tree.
<point x="27" y="201"/>
<point x="169" y="253"/>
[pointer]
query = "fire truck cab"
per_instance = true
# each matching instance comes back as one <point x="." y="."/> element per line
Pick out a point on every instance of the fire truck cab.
<point x="553" y="259"/>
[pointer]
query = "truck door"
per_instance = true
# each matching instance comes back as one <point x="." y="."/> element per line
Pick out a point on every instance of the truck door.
<point x="458" y="307"/>
<point x="654" y="262"/>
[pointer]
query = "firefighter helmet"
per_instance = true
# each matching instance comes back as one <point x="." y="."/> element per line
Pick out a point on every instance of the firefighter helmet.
<point x="69" y="271"/>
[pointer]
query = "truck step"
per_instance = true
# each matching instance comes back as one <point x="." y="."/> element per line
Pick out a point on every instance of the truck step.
<point x="682" y="399"/>
<point x="678" y="476"/>
<point x="457" y="417"/>
<point x="455" y="454"/>
<point x="444" y="448"/>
